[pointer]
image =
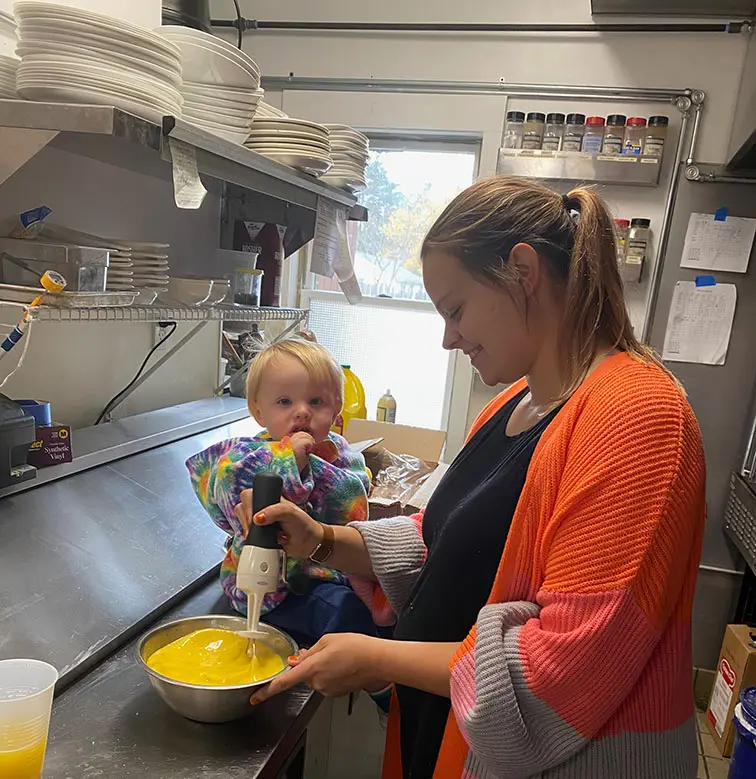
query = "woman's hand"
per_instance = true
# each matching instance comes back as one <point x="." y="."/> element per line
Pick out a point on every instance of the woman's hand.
<point x="338" y="664"/>
<point x="300" y="533"/>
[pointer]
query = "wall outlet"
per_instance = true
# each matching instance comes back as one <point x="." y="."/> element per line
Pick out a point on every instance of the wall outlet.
<point x="162" y="331"/>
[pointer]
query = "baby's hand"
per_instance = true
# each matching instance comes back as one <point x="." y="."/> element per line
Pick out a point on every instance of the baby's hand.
<point x="302" y="444"/>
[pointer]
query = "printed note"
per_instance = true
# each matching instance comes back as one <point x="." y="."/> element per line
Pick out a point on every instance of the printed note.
<point x="718" y="244"/>
<point x="700" y="323"/>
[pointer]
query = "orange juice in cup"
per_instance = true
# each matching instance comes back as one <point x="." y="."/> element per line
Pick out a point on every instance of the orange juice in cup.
<point x="26" y="692"/>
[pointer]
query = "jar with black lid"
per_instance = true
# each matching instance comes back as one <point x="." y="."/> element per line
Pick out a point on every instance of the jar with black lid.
<point x="656" y="135"/>
<point x="614" y="133"/>
<point x="554" y="132"/>
<point x="574" y="130"/>
<point x="513" y="130"/>
<point x="532" y="136"/>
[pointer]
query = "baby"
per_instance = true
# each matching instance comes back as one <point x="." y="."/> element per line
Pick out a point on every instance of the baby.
<point x="295" y="391"/>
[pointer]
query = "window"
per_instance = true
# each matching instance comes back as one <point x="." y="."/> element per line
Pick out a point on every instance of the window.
<point x="408" y="185"/>
<point x="392" y="339"/>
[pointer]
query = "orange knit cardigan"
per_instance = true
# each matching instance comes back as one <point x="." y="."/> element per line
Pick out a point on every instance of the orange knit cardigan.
<point x="580" y="665"/>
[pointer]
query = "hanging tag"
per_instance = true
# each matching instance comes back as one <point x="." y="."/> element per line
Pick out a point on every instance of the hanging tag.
<point x="188" y="190"/>
<point x="325" y="243"/>
<point x="720" y="215"/>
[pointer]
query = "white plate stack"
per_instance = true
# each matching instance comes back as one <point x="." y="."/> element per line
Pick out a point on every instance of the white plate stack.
<point x="221" y="83"/>
<point x="120" y="274"/>
<point x="149" y="266"/>
<point x="350" y="150"/>
<point x="72" y="55"/>
<point x="8" y="68"/>
<point x="295" y="142"/>
<point x="8" y="35"/>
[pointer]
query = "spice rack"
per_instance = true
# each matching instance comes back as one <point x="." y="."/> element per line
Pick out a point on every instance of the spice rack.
<point x="598" y="168"/>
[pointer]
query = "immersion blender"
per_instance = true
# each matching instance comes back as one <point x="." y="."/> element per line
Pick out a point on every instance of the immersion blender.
<point x="262" y="559"/>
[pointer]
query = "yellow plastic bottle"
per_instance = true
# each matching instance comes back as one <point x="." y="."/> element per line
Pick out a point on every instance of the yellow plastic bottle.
<point x="354" y="398"/>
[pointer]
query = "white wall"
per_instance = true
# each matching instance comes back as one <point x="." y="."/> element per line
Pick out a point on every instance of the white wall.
<point x="709" y="62"/>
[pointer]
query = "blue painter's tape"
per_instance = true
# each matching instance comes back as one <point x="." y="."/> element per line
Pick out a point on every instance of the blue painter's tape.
<point x="720" y="215"/>
<point x="706" y="281"/>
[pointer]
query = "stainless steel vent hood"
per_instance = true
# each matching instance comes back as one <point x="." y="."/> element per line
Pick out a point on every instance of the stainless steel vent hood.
<point x="735" y="8"/>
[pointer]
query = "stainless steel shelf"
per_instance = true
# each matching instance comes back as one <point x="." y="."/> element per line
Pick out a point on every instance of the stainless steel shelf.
<point x="216" y="157"/>
<point x="166" y="314"/>
<point x="580" y="166"/>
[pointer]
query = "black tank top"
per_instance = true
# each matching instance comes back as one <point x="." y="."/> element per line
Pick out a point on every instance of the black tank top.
<point x="465" y="528"/>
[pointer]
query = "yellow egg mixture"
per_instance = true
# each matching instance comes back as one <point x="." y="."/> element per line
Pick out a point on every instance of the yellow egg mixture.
<point x="215" y="658"/>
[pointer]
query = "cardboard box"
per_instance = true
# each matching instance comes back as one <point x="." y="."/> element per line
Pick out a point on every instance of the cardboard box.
<point x="736" y="670"/>
<point x="427" y="445"/>
<point x="51" y="447"/>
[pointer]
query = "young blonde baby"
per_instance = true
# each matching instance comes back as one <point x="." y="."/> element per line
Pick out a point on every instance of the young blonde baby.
<point x="295" y="392"/>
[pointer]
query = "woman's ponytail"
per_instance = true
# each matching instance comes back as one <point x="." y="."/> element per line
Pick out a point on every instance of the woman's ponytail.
<point x="574" y="233"/>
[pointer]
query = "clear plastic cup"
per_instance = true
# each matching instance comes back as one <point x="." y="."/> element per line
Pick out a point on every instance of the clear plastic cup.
<point x="26" y="693"/>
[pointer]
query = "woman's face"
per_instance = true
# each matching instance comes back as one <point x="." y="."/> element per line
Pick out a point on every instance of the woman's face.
<point x="486" y="323"/>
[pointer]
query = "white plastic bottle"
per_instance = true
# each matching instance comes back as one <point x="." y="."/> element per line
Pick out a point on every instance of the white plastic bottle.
<point x="387" y="408"/>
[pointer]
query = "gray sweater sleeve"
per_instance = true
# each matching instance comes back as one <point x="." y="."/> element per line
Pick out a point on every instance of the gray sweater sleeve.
<point x="397" y="552"/>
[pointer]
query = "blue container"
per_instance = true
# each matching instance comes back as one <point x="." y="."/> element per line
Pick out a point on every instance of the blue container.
<point x="743" y="763"/>
<point x="38" y="409"/>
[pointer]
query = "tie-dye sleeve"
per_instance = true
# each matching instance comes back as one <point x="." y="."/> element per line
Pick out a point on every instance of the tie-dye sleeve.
<point x="340" y="483"/>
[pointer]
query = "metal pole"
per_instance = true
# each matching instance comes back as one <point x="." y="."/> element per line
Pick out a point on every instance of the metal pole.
<point x="566" y="91"/>
<point x="485" y="29"/>
<point x="656" y="273"/>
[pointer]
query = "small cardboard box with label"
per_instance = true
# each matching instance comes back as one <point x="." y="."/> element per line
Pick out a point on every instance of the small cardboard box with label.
<point x="736" y="671"/>
<point x="374" y="439"/>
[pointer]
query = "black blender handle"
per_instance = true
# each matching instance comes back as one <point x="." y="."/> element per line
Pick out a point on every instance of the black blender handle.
<point x="266" y="491"/>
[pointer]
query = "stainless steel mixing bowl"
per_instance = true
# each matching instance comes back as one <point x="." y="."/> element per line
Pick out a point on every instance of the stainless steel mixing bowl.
<point x="197" y="702"/>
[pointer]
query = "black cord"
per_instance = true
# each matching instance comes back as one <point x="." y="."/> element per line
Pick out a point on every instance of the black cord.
<point x="114" y="399"/>
<point x="239" y="24"/>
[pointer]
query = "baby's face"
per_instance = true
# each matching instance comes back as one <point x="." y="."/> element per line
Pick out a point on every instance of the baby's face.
<point x="290" y="401"/>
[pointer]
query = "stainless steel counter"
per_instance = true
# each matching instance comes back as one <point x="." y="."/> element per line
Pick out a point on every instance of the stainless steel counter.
<point x="87" y="560"/>
<point x="111" y="724"/>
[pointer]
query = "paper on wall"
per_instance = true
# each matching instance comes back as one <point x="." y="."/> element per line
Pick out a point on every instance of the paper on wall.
<point x="722" y="245"/>
<point x="700" y="323"/>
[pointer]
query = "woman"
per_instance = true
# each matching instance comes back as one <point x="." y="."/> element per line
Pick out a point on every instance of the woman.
<point x="545" y="596"/>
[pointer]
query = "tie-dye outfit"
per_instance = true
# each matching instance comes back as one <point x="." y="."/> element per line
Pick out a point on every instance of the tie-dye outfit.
<point x="332" y="489"/>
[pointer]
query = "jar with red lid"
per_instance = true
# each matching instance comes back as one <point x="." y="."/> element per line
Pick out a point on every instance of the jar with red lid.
<point x="635" y="135"/>
<point x="593" y="140"/>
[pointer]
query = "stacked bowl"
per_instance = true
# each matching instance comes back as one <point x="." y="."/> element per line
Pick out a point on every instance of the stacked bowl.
<point x="295" y="142"/>
<point x="350" y="150"/>
<point x="8" y="69"/>
<point x="77" y="56"/>
<point x="221" y="87"/>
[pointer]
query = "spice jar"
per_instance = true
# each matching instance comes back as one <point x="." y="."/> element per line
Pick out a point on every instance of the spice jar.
<point x="574" y="130"/>
<point x="614" y="134"/>
<point x="593" y="140"/>
<point x="532" y="136"/>
<point x="513" y="130"/>
<point x="656" y="135"/>
<point x="554" y="132"/>
<point x="637" y="250"/>
<point x="621" y="233"/>
<point x="635" y="135"/>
